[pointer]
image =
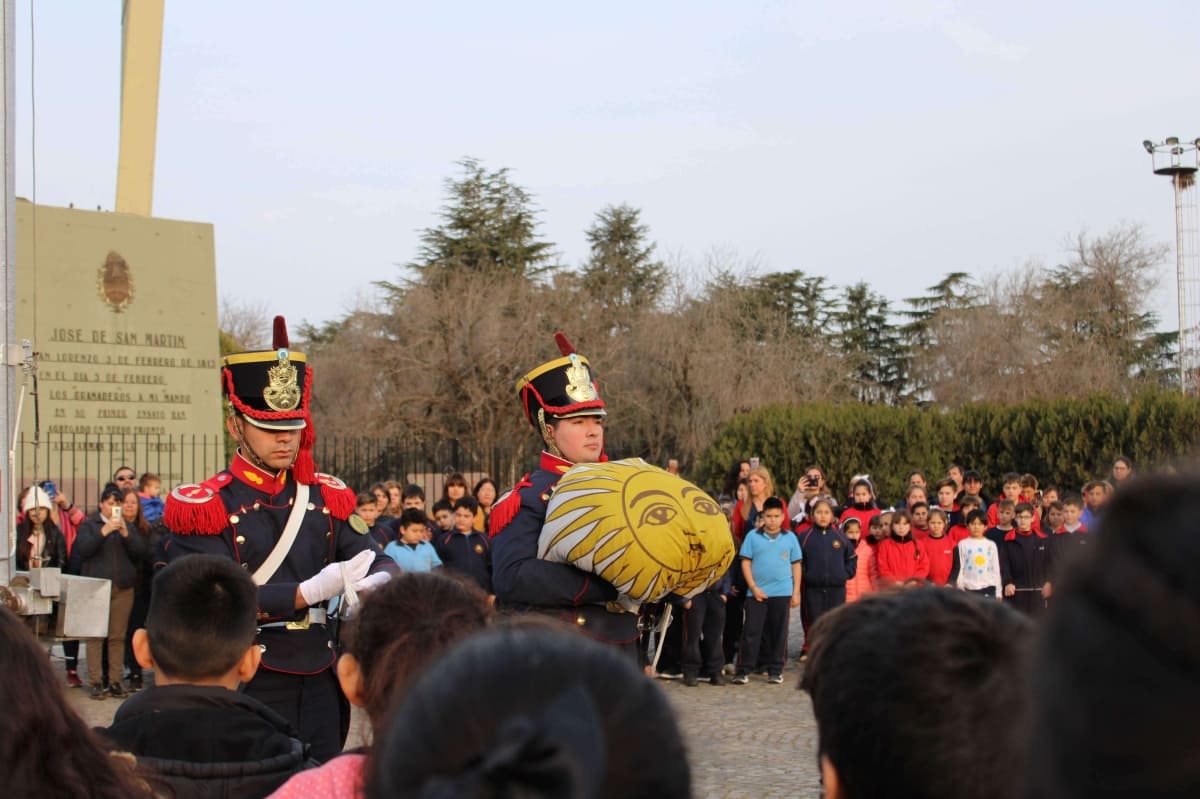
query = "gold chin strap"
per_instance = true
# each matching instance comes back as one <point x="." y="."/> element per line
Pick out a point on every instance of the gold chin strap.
<point x="247" y="451"/>
<point x="549" y="439"/>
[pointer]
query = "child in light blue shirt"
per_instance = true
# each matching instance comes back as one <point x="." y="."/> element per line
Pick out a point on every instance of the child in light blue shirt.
<point x="411" y="551"/>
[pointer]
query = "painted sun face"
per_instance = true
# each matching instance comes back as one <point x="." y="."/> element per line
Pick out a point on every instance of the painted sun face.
<point x="644" y="530"/>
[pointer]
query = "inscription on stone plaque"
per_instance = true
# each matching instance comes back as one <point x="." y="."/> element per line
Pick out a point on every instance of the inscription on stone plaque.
<point x="122" y="311"/>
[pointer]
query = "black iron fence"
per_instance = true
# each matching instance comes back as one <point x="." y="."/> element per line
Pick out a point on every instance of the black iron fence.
<point x="81" y="464"/>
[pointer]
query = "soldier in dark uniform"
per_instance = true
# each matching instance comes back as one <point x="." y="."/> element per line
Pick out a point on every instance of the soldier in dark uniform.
<point x="293" y="529"/>
<point x="562" y="403"/>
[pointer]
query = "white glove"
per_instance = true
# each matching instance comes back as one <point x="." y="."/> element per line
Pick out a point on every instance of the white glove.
<point x="372" y="581"/>
<point x="328" y="583"/>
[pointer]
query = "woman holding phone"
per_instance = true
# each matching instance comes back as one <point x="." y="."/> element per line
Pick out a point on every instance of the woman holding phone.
<point x="110" y="547"/>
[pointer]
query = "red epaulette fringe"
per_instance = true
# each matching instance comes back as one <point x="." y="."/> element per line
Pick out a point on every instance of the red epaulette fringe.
<point x="196" y="509"/>
<point x="505" y="510"/>
<point x="337" y="496"/>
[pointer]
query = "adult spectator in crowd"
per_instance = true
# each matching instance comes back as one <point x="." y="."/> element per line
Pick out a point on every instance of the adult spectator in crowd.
<point x="1122" y="470"/>
<point x="485" y="494"/>
<point x="109" y="547"/>
<point x="947" y="720"/>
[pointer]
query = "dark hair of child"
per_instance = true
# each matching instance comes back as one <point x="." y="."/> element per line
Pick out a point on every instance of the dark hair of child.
<point x="1023" y="507"/>
<point x="898" y="736"/>
<point x="1011" y="477"/>
<point x="202" y="617"/>
<point x="970" y="501"/>
<point x="469" y="502"/>
<point x="773" y="503"/>
<point x="914" y="506"/>
<point x="45" y="748"/>
<point x="1072" y="499"/>
<point x="442" y="504"/>
<point x="946" y="483"/>
<point x="1126" y="614"/>
<point x="531" y="709"/>
<point x="897" y="515"/>
<point x="851" y="523"/>
<point x="412" y="490"/>
<point x="977" y="516"/>
<point x="403" y="626"/>
<point x="146" y="479"/>
<point x="411" y="516"/>
<point x="1028" y="481"/>
<point x="1006" y="504"/>
<point x="365" y="498"/>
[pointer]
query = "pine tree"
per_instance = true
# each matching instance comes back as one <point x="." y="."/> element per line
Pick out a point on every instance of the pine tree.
<point x="621" y="273"/>
<point x="489" y="225"/>
<point x="875" y="353"/>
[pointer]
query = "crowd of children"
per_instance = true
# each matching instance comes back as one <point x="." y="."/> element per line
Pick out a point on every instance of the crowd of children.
<point x="819" y="551"/>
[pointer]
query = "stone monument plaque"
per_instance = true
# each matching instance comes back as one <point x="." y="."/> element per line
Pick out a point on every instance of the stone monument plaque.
<point x="122" y="313"/>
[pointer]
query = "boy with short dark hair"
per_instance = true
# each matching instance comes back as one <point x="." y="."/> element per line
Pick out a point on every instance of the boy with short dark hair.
<point x="953" y="663"/>
<point x="411" y="551"/>
<point x="368" y="511"/>
<point x="918" y="513"/>
<point x="947" y="495"/>
<point x="771" y="565"/>
<point x="192" y="727"/>
<point x="1070" y="538"/>
<point x="1005" y="509"/>
<point x="1011" y="487"/>
<point x="464" y="548"/>
<point x="443" y="516"/>
<point x="1025" y="564"/>
<point x="973" y="486"/>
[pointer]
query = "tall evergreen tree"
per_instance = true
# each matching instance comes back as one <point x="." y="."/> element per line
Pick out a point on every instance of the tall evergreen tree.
<point x="489" y="225"/>
<point x="621" y="272"/>
<point x="874" y="351"/>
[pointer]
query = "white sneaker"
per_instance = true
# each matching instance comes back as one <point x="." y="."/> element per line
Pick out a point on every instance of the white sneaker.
<point x="777" y="679"/>
<point x="670" y="675"/>
<point x="741" y="679"/>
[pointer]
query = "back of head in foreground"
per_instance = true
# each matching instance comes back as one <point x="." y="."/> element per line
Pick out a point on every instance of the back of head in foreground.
<point x="531" y="710"/>
<point x="201" y="624"/>
<point x="920" y="693"/>
<point x="1117" y="669"/>
<point x="45" y="748"/>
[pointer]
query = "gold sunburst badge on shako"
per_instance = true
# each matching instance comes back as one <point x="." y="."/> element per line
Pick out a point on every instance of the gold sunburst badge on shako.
<point x="648" y="532"/>
<point x="282" y="392"/>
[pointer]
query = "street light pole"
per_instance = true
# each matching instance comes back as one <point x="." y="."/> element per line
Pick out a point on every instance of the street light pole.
<point x="1179" y="161"/>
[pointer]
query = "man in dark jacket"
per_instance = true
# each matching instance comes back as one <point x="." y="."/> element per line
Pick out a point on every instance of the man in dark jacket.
<point x="193" y="728"/>
<point x="110" y="548"/>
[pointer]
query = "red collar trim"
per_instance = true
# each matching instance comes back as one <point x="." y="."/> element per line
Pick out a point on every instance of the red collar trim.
<point x="1013" y="533"/>
<point x="246" y="472"/>
<point x="553" y="463"/>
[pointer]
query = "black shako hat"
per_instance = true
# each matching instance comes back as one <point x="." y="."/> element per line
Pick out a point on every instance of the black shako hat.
<point x="560" y="389"/>
<point x="270" y="388"/>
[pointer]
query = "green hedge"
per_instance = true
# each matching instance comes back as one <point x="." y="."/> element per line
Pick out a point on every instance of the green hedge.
<point x="1065" y="442"/>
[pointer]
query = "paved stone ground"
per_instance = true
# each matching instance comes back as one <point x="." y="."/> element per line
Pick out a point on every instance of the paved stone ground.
<point x="755" y="741"/>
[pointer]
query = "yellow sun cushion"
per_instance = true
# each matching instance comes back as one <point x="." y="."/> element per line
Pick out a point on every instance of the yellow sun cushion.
<point x="646" y="531"/>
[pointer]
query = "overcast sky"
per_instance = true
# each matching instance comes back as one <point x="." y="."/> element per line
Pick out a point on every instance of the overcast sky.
<point x="890" y="142"/>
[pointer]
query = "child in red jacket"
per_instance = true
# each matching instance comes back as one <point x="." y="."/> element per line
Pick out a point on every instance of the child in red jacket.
<point x="940" y="548"/>
<point x="901" y="560"/>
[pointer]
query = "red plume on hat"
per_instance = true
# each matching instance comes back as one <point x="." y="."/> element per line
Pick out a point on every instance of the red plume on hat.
<point x="304" y="470"/>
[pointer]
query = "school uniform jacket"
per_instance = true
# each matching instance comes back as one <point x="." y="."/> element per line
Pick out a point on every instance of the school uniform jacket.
<point x="829" y="557"/>
<point x="900" y="560"/>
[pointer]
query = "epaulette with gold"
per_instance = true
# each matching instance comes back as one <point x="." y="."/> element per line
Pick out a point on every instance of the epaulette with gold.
<point x="337" y="496"/>
<point x="505" y="509"/>
<point x="195" y="509"/>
